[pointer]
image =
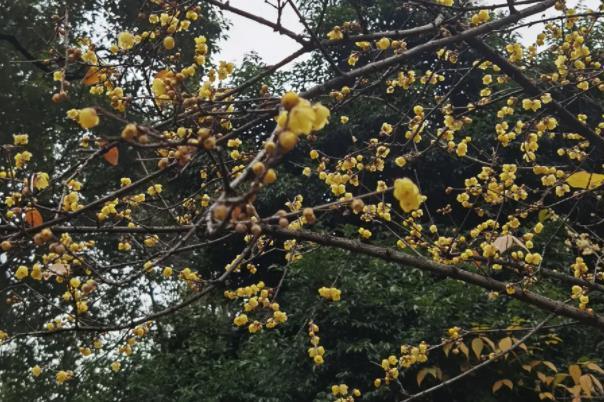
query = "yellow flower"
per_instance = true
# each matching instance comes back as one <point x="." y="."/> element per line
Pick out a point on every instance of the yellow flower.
<point x="167" y="272"/>
<point x="408" y="195"/>
<point x="534" y="105"/>
<point x="462" y="149"/>
<point x="158" y="87"/>
<point x="321" y="116"/>
<point x="169" y="42"/>
<point x="63" y="376"/>
<point x="365" y="233"/>
<point x="88" y="118"/>
<point x="254" y="327"/>
<point x="116" y="366"/>
<point x="125" y="40"/>
<point x="301" y="118"/>
<point x="154" y="189"/>
<point x="333" y="294"/>
<point x="22" y="272"/>
<point x="36" y="371"/>
<point x="20" y="139"/>
<point x="386" y="128"/>
<point x="36" y="272"/>
<point x="21" y="158"/>
<point x="546" y="97"/>
<point x="151" y="241"/>
<point x="383" y="43"/>
<point x="192" y="15"/>
<point x="335" y="34"/>
<point x="240" y="320"/>
<point x="82" y="307"/>
<point x="41" y="180"/>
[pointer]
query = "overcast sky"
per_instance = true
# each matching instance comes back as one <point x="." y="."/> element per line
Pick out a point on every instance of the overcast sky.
<point x="246" y="36"/>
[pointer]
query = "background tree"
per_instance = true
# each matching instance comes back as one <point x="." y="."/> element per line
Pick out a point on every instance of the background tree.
<point x="416" y="91"/>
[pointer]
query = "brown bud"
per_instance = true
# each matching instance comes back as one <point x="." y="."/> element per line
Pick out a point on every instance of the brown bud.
<point x="256" y="230"/>
<point x="89" y="286"/>
<point x="258" y="168"/>
<point x="251" y="210"/>
<point x="283" y="222"/>
<point x="240" y="227"/>
<point x="38" y="240"/>
<point x="270" y="147"/>
<point x="130" y="132"/>
<point x="204" y="133"/>
<point x="6" y="245"/>
<point x="270" y="177"/>
<point x="59" y="248"/>
<point x="220" y="212"/>
<point x="209" y="143"/>
<point x="143" y="139"/>
<point x="46" y="234"/>
<point x="59" y="97"/>
<point x="163" y="163"/>
<point x="357" y="205"/>
<point x="309" y="215"/>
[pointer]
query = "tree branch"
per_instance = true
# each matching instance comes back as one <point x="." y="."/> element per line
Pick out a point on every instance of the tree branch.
<point x="386" y="254"/>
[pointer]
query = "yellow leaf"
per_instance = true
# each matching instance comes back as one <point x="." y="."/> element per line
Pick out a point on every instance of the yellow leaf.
<point x="421" y="375"/>
<point x="505" y="344"/>
<point x="477" y="346"/>
<point x="551" y="366"/>
<point x="544" y="378"/>
<point x="93" y="76"/>
<point x="503" y="243"/>
<point x="594" y="367"/>
<point x="576" y="390"/>
<point x="59" y="269"/>
<point x="548" y="395"/>
<point x="489" y="342"/>
<point x="597" y="384"/>
<point x="447" y="348"/>
<point x="586" y="384"/>
<point x="585" y="180"/>
<point x="33" y="217"/>
<point x="544" y="214"/>
<point x="498" y="384"/>
<point x="558" y="378"/>
<point x="464" y="349"/>
<point x="575" y="372"/>
<point x="521" y="345"/>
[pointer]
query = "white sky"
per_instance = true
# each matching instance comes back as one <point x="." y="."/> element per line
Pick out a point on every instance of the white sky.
<point x="246" y="35"/>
